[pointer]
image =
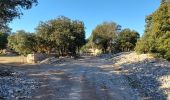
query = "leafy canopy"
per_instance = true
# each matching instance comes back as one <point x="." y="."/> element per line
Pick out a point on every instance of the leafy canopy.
<point x="104" y="35"/>
<point x="127" y="39"/>
<point x="62" y="34"/>
<point x="156" y="38"/>
<point x="10" y="9"/>
<point x="23" y="42"/>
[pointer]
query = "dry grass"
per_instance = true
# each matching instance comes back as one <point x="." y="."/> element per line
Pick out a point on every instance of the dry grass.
<point x="12" y="59"/>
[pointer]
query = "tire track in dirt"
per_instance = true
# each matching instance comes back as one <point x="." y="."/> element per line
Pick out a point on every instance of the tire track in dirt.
<point x="53" y="86"/>
<point x="78" y="80"/>
<point x="90" y="91"/>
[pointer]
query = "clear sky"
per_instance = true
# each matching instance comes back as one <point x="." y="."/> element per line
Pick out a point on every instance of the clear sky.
<point x="127" y="13"/>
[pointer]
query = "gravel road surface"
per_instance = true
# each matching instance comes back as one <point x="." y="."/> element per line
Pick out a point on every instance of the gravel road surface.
<point x="89" y="78"/>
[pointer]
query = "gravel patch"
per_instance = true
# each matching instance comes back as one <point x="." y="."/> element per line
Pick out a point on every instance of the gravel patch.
<point x="15" y="86"/>
<point x="149" y="76"/>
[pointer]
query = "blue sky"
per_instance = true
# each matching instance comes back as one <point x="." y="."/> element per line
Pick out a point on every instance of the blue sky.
<point x="127" y="13"/>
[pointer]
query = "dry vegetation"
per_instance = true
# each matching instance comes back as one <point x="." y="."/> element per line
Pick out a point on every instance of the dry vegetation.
<point x="12" y="59"/>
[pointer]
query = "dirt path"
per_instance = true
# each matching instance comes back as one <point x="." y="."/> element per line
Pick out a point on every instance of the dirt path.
<point x="83" y="79"/>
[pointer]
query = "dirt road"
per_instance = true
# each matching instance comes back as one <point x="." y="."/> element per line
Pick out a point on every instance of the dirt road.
<point x="84" y="79"/>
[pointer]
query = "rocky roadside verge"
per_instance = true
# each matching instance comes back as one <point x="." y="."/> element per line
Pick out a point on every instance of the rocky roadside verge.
<point x="15" y="85"/>
<point x="149" y="76"/>
<point x="53" y="60"/>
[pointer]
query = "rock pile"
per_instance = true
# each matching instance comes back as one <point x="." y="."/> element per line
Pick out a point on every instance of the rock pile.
<point x="16" y="87"/>
<point x="52" y="60"/>
<point x="150" y="76"/>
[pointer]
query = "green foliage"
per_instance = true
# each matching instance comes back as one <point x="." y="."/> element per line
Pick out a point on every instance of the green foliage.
<point x="10" y="9"/>
<point x="22" y="42"/>
<point x="127" y="39"/>
<point x="62" y="34"/>
<point x="141" y="46"/>
<point x="157" y="33"/>
<point x="104" y="35"/>
<point x="3" y="40"/>
<point x="109" y="38"/>
<point x="164" y="1"/>
<point x="89" y="44"/>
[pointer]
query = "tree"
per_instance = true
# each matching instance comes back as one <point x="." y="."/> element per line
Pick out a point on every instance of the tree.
<point x="157" y="33"/>
<point x="62" y="34"/>
<point x="3" y="40"/>
<point x="127" y="39"/>
<point x="44" y="31"/>
<point x="4" y="33"/>
<point x="10" y="9"/>
<point x="78" y="32"/>
<point x="164" y="1"/>
<point x="23" y="42"/>
<point x="104" y="35"/>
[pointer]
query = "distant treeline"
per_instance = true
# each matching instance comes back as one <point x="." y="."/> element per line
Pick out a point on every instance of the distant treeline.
<point x="109" y="38"/>
<point x="63" y="36"/>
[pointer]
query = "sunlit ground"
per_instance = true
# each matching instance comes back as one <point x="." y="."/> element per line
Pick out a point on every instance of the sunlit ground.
<point x="12" y="59"/>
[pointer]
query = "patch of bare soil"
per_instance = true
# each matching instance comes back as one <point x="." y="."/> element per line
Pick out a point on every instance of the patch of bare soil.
<point x="12" y="60"/>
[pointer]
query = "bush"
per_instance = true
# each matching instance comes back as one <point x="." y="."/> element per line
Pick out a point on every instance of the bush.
<point x="156" y="38"/>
